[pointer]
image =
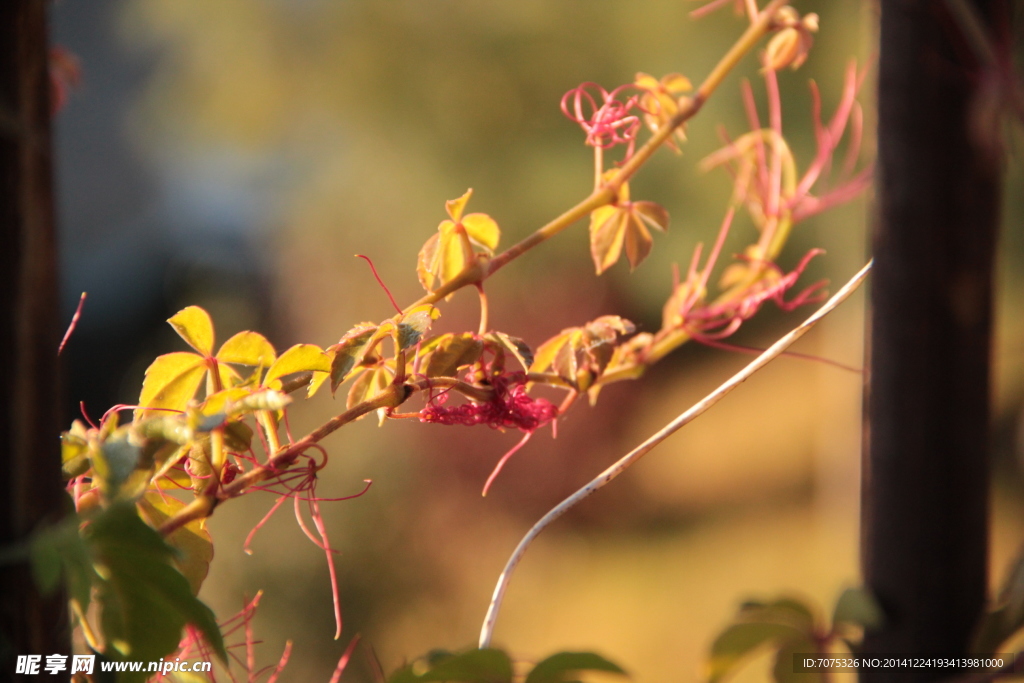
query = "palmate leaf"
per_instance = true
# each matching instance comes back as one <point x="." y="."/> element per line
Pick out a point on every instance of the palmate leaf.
<point x="449" y="352"/>
<point x="247" y="348"/>
<point x="194" y="325"/>
<point x="624" y="224"/>
<point x="455" y="244"/>
<point x="299" y="358"/>
<point x="580" y="354"/>
<point x="145" y="602"/>
<point x="171" y="381"/>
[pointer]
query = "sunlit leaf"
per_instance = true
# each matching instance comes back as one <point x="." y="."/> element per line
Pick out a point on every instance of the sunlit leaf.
<point x="652" y="214"/>
<point x="621" y="224"/>
<point x="74" y="448"/>
<point x="456" y="244"/>
<point x="370" y="383"/>
<point x="607" y="233"/>
<point x="546" y="353"/>
<point x="482" y="230"/>
<point x="442" y="257"/>
<point x="247" y="348"/>
<point x="171" y="381"/>
<point x="451" y="352"/>
<point x="145" y="602"/>
<point x="192" y="541"/>
<point x="659" y="102"/>
<point x="193" y="324"/>
<point x="561" y="667"/>
<point x="517" y="347"/>
<point x="299" y="358"/>
<point x="455" y="207"/>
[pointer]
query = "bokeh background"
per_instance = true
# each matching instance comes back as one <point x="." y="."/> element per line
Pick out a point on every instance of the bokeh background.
<point x="237" y="154"/>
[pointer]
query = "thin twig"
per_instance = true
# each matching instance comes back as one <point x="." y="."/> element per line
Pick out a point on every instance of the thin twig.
<point x="487" y="631"/>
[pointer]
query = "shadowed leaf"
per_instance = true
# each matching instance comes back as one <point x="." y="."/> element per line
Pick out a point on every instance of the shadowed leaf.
<point x="558" y="668"/>
<point x="145" y="602"/>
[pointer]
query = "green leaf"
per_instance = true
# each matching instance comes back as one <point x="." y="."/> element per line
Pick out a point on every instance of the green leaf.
<point x="171" y="381"/>
<point x="785" y="611"/>
<point x="857" y="606"/>
<point x="247" y="348"/>
<point x="349" y="352"/>
<point x="558" y="667"/>
<point x="784" y="671"/>
<point x="299" y="358"/>
<point x="145" y="601"/>
<point x="192" y="541"/>
<point x="193" y="324"/>
<point x="58" y="550"/>
<point x="473" y="666"/>
<point x="412" y="328"/>
<point x="739" y="640"/>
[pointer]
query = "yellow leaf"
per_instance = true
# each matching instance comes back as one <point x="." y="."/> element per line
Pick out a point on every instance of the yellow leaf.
<point x="314" y="385"/>
<point x="193" y="324"/>
<point x="455" y="207"/>
<point x="370" y="383"/>
<point x="638" y="241"/>
<point x="451" y="353"/>
<point x="482" y="230"/>
<point x="193" y="542"/>
<point x="646" y="81"/>
<point x="299" y="358"/>
<point x="652" y="214"/>
<point x="607" y="231"/>
<point x="171" y="381"/>
<point x="247" y="348"/>
<point x="220" y="401"/>
<point x="548" y="350"/>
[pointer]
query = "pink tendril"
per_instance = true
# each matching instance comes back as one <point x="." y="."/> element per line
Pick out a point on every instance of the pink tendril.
<point x="609" y="123"/>
<point x="381" y="282"/>
<point x="73" y="324"/>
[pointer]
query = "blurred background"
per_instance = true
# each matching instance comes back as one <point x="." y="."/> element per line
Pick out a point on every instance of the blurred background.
<point x="237" y="154"/>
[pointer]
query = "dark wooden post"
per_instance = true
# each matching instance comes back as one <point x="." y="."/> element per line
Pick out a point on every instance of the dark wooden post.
<point x="925" y="495"/>
<point x="29" y="330"/>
